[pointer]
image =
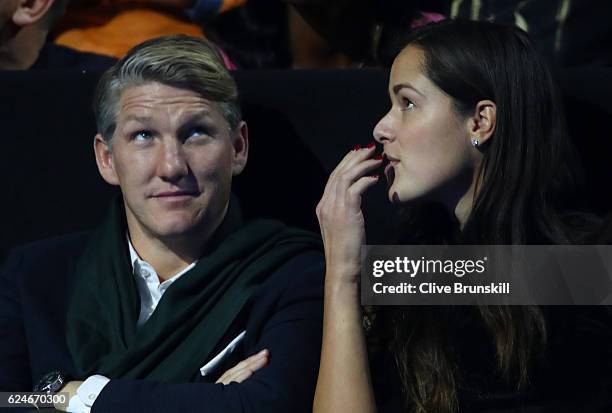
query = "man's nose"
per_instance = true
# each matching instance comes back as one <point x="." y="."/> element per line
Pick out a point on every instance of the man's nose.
<point x="173" y="163"/>
<point x="383" y="131"/>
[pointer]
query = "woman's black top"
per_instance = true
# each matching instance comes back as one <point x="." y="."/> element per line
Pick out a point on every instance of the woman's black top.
<point x="573" y="375"/>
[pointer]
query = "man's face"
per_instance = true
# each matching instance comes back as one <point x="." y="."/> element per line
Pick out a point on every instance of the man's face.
<point x="173" y="155"/>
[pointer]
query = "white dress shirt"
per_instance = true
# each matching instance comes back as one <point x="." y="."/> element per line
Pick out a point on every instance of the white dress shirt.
<point x="149" y="287"/>
<point x="150" y="291"/>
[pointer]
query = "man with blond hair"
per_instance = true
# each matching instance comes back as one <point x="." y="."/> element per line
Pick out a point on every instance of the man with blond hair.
<point x="175" y="303"/>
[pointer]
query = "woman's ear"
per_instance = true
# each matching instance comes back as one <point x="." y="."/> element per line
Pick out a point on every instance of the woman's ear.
<point x="481" y="124"/>
<point x="31" y="11"/>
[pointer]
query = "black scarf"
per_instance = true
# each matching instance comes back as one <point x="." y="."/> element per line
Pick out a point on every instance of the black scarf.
<point x="193" y="315"/>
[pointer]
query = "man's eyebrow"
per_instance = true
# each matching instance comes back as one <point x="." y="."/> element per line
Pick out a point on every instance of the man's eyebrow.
<point x="401" y="86"/>
<point x="141" y="119"/>
<point x="204" y="113"/>
<point x="194" y="117"/>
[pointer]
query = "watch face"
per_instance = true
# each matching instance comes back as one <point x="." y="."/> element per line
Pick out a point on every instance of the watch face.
<point x="50" y="382"/>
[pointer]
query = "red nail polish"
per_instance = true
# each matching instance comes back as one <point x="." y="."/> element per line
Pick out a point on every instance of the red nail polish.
<point x="371" y="145"/>
<point x="357" y="147"/>
<point x="378" y="157"/>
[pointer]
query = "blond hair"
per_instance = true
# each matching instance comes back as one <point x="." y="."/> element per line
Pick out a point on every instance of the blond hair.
<point x="179" y="61"/>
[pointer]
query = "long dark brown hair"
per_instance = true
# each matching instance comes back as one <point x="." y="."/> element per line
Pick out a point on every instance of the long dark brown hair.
<point x="527" y="176"/>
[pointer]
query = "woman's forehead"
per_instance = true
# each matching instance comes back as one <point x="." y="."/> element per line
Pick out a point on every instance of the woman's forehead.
<point x="408" y="63"/>
<point x="407" y="70"/>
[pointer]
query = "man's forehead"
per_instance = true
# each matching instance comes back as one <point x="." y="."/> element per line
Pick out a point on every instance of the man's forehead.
<point x="155" y="96"/>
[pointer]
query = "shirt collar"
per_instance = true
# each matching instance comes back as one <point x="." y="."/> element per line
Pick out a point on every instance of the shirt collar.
<point x="134" y="258"/>
<point x="138" y="264"/>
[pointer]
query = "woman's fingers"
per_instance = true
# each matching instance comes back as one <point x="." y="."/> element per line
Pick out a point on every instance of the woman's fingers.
<point x="339" y="212"/>
<point x="354" y="165"/>
<point x="348" y="177"/>
<point x="245" y="368"/>
<point x="351" y="159"/>
<point x="360" y="186"/>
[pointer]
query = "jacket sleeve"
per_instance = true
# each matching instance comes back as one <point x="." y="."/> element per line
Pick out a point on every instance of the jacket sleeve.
<point x="290" y="326"/>
<point x="14" y="360"/>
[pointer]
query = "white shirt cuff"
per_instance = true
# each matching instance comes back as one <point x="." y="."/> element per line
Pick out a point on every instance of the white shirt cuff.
<point x="86" y="394"/>
<point x="75" y="405"/>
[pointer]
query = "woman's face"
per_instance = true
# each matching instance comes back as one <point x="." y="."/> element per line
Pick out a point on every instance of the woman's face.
<point x="426" y="141"/>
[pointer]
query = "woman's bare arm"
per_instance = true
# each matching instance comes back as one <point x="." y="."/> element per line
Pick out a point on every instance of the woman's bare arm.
<point x="344" y="383"/>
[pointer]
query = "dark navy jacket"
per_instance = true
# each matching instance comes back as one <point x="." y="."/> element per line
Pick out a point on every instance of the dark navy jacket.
<point x="285" y="317"/>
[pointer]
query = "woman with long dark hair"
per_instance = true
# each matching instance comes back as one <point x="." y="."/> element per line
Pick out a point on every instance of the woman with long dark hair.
<point x="478" y="153"/>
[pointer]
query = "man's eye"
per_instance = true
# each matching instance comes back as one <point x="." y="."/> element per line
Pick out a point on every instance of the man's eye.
<point x="407" y="104"/>
<point x="197" y="132"/>
<point x="142" y="135"/>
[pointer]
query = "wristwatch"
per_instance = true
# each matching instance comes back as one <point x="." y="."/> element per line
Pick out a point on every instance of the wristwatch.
<point x="52" y="382"/>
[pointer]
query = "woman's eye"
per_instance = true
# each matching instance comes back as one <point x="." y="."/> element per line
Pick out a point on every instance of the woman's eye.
<point x="407" y="104"/>
<point x="142" y="135"/>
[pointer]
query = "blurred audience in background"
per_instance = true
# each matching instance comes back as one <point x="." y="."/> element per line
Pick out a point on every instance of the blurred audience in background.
<point x="568" y="32"/>
<point x="112" y="27"/>
<point x="24" y="25"/>
<point x="258" y="34"/>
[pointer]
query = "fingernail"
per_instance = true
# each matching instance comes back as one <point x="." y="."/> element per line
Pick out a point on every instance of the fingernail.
<point x="371" y="145"/>
<point x="357" y="147"/>
<point x="378" y="157"/>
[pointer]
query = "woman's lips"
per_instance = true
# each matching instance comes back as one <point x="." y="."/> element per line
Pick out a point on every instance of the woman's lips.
<point x="390" y="170"/>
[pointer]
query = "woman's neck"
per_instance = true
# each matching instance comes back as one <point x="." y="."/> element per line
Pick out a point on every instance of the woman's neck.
<point x="463" y="208"/>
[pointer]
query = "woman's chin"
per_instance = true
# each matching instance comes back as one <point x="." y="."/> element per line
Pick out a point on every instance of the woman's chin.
<point x="406" y="196"/>
<point x="393" y="196"/>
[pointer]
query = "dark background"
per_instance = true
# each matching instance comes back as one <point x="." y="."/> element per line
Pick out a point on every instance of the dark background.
<point x="301" y="124"/>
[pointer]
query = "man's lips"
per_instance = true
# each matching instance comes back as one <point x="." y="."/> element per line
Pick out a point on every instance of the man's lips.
<point x="171" y="194"/>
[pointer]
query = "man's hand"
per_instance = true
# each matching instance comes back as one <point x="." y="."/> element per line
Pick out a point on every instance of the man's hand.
<point x="245" y="369"/>
<point x="70" y="388"/>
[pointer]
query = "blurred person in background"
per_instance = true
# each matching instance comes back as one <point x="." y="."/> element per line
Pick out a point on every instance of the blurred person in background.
<point x="112" y="27"/>
<point x="24" y="26"/>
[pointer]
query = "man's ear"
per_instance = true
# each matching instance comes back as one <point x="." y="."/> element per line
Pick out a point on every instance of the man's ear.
<point x="30" y="11"/>
<point x="240" y="143"/>
<point x="104" y="160"/>
<point x="481" y="124"/>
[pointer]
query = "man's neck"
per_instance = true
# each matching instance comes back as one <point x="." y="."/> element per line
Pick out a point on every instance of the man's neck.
<point x="19" y="49"/>
<point x="169" y="256"/>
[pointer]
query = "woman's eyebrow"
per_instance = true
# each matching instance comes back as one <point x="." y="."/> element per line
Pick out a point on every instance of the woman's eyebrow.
<point x="401" y="86"/>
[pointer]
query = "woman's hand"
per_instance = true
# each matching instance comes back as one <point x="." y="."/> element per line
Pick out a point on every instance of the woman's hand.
<point x="344" y="383"/>
<point x="340" y="216"/>
<point x="245" y="369"/>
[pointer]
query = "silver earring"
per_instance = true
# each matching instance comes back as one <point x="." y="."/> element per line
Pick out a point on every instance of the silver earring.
<point x="475" y="142"/>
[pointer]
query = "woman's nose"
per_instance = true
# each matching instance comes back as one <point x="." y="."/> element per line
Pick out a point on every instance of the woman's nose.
<point x="383" y="131"/>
